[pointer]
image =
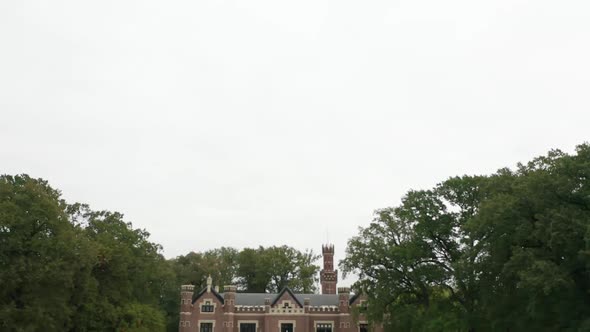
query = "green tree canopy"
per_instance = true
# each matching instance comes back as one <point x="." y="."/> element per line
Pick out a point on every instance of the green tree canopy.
<point x="283" y="267"/>
<point x="68" y="268"/>
<point x="43" y="258"/>
<point x="194" y="267"/>
<point x="253" y="270"/>
<point x="508" y="251"/>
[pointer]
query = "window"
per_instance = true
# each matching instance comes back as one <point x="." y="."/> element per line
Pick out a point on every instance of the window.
<point x="363" y="306"/>
<point x="207" y="307"/>
<point x="286" y="327"/>
<point x="248" y="327"/>
<point x="206" y="327"/>
<point x="363" y="328"/>
<point x="323" y="327"/>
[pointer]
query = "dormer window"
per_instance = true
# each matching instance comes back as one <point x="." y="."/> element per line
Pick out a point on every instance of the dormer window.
<point x="363" y="305"/>
<point x="207" y="307"/>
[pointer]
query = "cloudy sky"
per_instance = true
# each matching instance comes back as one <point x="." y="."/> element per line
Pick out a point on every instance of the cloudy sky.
<point x="246" y="123"/>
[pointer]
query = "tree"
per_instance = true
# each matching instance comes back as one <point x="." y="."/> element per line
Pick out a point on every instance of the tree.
<point x="221" y="264"/>
<point x="273" y="268"/>
<point x="508" y="251"/>
<point x="131" y="279"/>
<point x="537" y="230"/>
<point x="253" y="270"/>
<point x="45" y="262"/>
<point x="417" y="261"/>
<point x="68" y="268"/>
<point x="253" y="276"/>
<point x="194" y="268"/>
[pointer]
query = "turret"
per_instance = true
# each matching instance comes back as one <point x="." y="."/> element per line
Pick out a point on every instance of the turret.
<point x="229" y="298"/>
<point x="186" y="299"/>
<point x="267" y="304"/>
<point x="328" y="253"/>
<point x="229" y="304"/>
<point x="343" y="297"/>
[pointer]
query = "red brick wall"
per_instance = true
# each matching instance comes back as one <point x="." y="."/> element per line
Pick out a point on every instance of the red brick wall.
<point x="217" y="316"/>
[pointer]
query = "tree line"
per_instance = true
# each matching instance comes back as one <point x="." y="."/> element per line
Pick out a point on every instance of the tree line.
<point x="260" y="270"/>
<point x="508" y="251"/>
<point x="504" y="252"/>
<point x="65" y="267"/>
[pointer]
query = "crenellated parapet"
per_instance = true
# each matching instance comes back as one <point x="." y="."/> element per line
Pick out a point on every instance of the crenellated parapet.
<point x="186" y="297"/>
<point x="323" y="308"/>
<point x="230" y="288"/>
<point x="250" y="308"/>
<point x="328" y="249"/>
<point x="188" y="288"/>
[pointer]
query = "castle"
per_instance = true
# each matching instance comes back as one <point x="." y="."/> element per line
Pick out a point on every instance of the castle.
<point x="230" y="311"/>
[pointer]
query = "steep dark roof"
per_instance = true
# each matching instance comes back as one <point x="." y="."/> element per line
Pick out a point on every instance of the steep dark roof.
<point x="286" y="290"/>
<point x="314" y="299"/>
<point x="253" y="298"/>
<point x="196" y="297"/>
<point x="319" y="299"/>
<point x="259" y="298"/>
<point x="353" y="298"/>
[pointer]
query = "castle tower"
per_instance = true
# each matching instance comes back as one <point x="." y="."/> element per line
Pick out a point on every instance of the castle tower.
<point x="328" y="276"/>
<point x="229" y="299"/>
<point x="343" y="297"/>
<point x="186" y="295"/>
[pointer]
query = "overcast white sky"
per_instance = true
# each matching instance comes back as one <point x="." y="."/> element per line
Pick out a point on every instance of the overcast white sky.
<point x="246" y="123"/>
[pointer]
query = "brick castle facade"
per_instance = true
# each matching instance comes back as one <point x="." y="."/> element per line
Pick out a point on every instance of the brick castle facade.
<point x="230" y="311"/>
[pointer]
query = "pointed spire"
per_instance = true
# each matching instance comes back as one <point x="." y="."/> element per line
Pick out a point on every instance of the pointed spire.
<point x="209" y="283"/>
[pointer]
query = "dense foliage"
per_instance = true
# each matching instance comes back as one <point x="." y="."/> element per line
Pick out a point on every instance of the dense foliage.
<point x="274" y="268"/>
<point x="506" y="252"/>
<point x="253" y="270"/>
<point x="65" y="267"/>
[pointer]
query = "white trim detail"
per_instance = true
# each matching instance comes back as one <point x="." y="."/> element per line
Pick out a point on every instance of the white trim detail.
<point x="247" y="322"/>
<point x="206" y="321"/>
<point x="286" y="307"/>
<point x="207" y="302"/>
<point x="287" y="322"/>
<point x="316" y="322"/>
<point x="362" y="322"/>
